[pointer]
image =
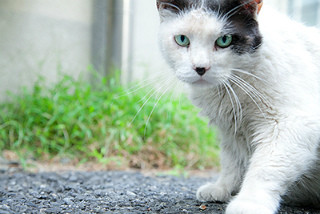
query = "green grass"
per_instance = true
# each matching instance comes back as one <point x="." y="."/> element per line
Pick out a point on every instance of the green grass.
<point x="94" y="124"/>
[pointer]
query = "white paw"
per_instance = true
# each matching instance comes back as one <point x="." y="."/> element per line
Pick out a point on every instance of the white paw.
<point x="240" y="206"/>
<point x="213" y="192"/>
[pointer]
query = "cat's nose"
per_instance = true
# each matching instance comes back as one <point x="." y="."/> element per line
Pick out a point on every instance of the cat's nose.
<point x="200" y="70"/>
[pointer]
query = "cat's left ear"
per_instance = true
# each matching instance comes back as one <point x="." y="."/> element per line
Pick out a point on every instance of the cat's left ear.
<point x="171" y="8"/>
<point x="254" y="6"/>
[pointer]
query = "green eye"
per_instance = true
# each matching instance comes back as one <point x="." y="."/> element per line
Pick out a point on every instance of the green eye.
<point x="224" y="41"/>
<point x="182" y="40"/>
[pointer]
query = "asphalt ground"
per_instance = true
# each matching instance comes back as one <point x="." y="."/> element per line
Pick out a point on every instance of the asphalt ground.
<point x="105" y="192"/>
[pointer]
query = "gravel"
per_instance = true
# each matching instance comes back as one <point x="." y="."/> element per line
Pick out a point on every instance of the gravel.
<point x="105" y="192"/>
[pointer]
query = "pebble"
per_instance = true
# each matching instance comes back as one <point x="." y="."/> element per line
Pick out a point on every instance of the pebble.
<point x="68" y="201"/>
<point x="129" y="193"/>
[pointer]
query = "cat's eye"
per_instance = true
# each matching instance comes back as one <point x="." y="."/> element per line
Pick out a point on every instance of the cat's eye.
<point x="224" y="41"/>
<point x="182" y="40"/>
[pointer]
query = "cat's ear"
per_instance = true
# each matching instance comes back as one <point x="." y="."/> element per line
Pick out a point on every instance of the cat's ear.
<point x="169" y="8"/>
<point x="253" y="6"/>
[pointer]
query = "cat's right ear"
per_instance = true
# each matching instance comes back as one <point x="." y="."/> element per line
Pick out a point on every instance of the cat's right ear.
<point x="254" y="6"/>
<point x="170" y="8"/>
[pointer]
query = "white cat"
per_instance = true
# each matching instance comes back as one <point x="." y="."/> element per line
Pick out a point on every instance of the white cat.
<point x="256" y="75"/>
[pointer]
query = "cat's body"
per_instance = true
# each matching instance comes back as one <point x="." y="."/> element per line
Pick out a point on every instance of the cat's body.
<point x="262" y="90"/>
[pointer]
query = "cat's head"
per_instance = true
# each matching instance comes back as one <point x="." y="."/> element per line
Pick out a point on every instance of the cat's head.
<point x="205" y="40"/>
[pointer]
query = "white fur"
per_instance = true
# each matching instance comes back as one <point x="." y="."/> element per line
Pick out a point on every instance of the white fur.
<point x="271" y="131"/>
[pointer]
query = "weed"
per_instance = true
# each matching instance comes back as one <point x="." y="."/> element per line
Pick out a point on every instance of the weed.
<point x="74" y="118"/>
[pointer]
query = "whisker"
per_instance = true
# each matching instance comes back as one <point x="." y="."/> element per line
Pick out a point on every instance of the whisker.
<point x="257" y="47"/>
<point x="235" y="10"/>
<point x="183" y="85"/>
<point x="174" y="88"/>
<point x="262" y="98"/>
<point x="150" y="81"/>
<point x="145" y="129"/>
<point x="141" y="107"/>
<point x="152" y="90"/>
<point x="173" y="93"/>
<point x="238" y="103"/>
<point x="233" y="107"/>
<point x="219" y="14"/>
<point x="248" y="73"/>
<point x="171" y="5"/>
<point x="248" y="92"/>
<point x="219" y="91"/>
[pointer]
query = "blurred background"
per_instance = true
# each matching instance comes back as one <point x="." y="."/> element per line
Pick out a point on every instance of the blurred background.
<point x="57" y="35"/>
<point x="47" y="45"/>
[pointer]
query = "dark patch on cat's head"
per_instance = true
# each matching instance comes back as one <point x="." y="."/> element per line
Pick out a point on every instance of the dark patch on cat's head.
<point x="240" y="16"/>
<point x="223" y="6"/>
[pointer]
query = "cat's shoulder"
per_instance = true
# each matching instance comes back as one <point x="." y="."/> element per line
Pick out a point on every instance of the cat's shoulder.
<point x="277" y="26"/>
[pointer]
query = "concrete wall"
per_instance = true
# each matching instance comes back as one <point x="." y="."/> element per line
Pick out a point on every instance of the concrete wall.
<point x="147" y="59"/>
<point x="42" y="37"/>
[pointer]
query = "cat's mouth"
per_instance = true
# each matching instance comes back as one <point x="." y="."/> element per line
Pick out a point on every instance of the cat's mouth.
<point x="201" y="83"/>
<point x="208" y="82"/>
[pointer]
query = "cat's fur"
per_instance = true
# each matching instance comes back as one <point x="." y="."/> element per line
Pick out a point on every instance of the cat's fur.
<point x="263" y="93"/>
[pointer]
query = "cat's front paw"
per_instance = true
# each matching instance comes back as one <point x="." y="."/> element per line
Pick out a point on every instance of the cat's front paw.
<point x="213" y="192"/>
<point x="241" y="206"/>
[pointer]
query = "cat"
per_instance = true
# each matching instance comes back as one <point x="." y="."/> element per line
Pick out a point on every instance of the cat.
<point x="255" y="74"/>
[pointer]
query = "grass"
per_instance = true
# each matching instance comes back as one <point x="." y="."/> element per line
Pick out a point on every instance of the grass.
<point x="74" y="119"/>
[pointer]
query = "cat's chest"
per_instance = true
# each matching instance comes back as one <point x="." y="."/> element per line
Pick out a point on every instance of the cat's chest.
<point x="216" y="104"/>
<point x="229" y="110"/>
<point x="233" y="118"/>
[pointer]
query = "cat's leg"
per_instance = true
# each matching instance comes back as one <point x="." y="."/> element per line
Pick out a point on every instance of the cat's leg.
<point x="275" y="165"/>
<point x="229" y="179"/>
<point x="306" y="191"/>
